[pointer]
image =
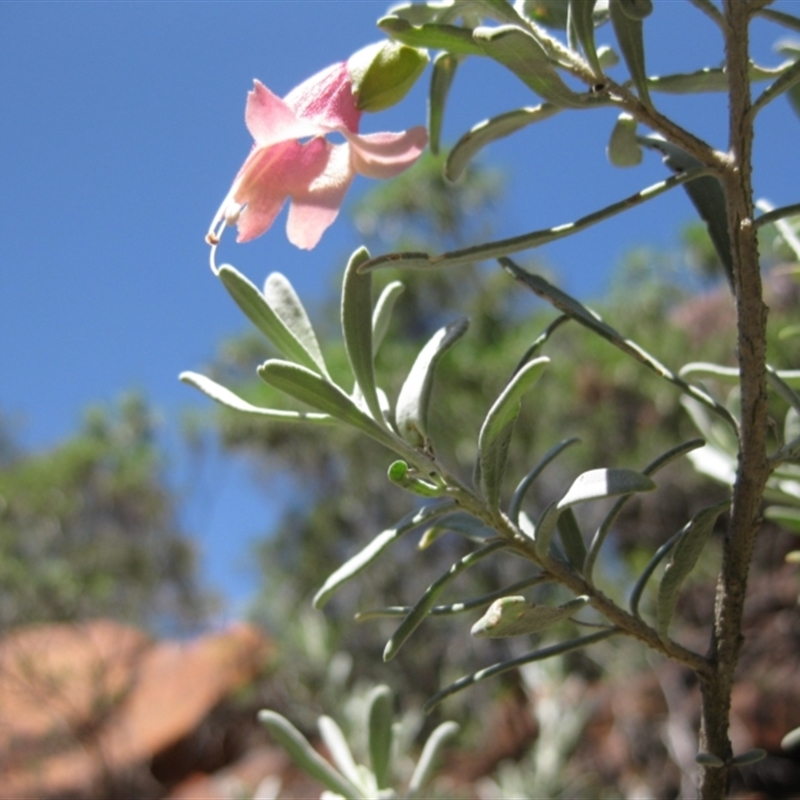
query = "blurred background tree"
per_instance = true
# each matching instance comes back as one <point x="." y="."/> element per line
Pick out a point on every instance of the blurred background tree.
<point x="89" y="528"/>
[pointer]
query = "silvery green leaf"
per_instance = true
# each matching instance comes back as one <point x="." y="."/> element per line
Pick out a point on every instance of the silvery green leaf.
<point x="368" y="554"/>
<point x="458" y="522"/>
<point x="749" y="757"/>
<point x="791" y="740"/>
<point x="444" y="70"/>
<point x="413" y="402"/>
<point x="788" y="82"/>
<point x="517" y="498"/>
<point x="607" y="56"/>
<point x="705" y="193"/>
<point x="422" y="609"/>
<point x="631" y="43"/>
<point x="304" y="755"/>
<point x="382" y="314"/>
<point x="647" y="572"/>
<point x="651" y="469"/>
<point x="515" y="616"/>
<point x="313" y="390"/>
<point x="545" y="528"/>
<point x="357" y="329"/>
<point x="636" y="9"/>
<point x="682" y="561"/>
<point x="275" y="316"/>
<point x="227" y="398"/>
<point x="581" y="22"/>
<point x="489" y="131"/>
<point x="585" y="316"/>
<point x="709" y="760"/>
<point x="514" y="663"/>
<point x="495" y="435"/>
<point x="426" y="766"/>
<point x="704" y="369"/>
<point x="435" y="36"/>
<point x="339" y="750"/>
<point x="597" y="484"/>
<point x="623" y="149"/>
<point x="419" y="13"/>
<point x="380" y="733"/>
<point x="572" y="539"/>
<point x="283" y="300"/>
<point x="526" y="58"/>
<point x="791" y="425"/>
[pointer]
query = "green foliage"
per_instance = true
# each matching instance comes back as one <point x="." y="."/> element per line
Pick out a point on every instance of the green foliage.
<point x="348" y="779"/>
<point x="88" y="529"/>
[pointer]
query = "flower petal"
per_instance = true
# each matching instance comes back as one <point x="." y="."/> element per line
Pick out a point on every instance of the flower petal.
<point x="270" y="120"/>
<point x="316" y="206"/>
<point x="270" y="175"/>
<point x="384" y="155"/>
<point x="327" y="99"/>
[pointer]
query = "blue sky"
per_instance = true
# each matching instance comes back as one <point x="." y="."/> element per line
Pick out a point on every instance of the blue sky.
<point x="122" y="128"/>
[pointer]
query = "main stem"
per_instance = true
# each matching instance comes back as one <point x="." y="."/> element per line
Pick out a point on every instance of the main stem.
<point x="753" y="468"/>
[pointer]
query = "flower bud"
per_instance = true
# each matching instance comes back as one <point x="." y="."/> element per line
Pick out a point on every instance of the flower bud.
<point x="382" y="74"/>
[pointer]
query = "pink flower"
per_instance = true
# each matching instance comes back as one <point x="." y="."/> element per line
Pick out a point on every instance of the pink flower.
<point x="291" y="158"/>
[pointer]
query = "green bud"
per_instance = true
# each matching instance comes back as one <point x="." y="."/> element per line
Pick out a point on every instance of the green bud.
<point x="383" y="73"/>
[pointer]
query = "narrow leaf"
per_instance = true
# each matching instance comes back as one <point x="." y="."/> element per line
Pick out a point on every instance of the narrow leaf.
<point x="380" y="733"/>
<point x="413" y="402"/>
<point x="597" y="484"/>
<point x="505" y="666"/>
<point x="651" y="469"/>
<point x="426" y="766"/>
<point x="382" y="314"/>
<point x="580" y="313"/>
<point x="522" y="488"/>
<point x="641" y="581"/>
<point x="423" y="606"/>
<point x="636" y="9"/>
<point x="581" y="21"/>
<point x="545" y="529"/>
<point x="457" y="607"/>
<point x="339" y="750"/>
<point x="267" y="314"/>
<point x="228" y="399"/>
<point x="515" y="616"/>
<point x="357" y="330"/>
<point x="682" y="561"/>
<point x="365" y="557"/>
<point x="572" y="539"/>
<point x="705" y="193"/>
<point x="631" y="44"/>
<point x="495" y="434"/>
<point x="444" y="70"/>
<point x="491" y="130"/>
<point x="518" y="50"/>
<point x="623" y="148"/>
<point x="791" y="740"/>
<point x="749" y="757"/>
<point x="315" y="391"/>
<point x="709" y="760"/>
<point x="452" y="38"/>
<point x="304" y="755"/>
<point x="283" y="300"/>
<point x="458" y="522"/>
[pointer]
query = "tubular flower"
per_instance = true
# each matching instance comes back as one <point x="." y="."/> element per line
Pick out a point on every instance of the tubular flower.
<point x="292" y="159"/>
